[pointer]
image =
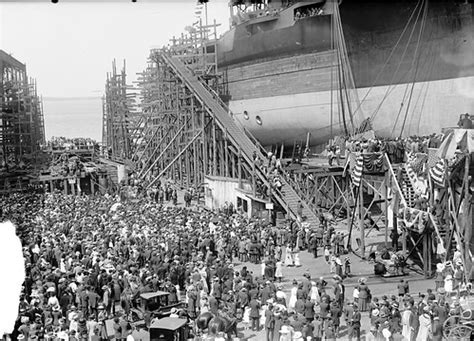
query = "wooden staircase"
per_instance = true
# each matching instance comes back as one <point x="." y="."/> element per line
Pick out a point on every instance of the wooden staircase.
<point x="288" y="198"/>
<point x="403" y="185"/>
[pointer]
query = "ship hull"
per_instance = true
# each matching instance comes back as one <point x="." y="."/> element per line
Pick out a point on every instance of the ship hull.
<point x="416" y="86"/>
<point x="288" y="118"/>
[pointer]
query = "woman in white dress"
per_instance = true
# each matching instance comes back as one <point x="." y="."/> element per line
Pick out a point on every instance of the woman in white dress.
<point x="293" y="298"/>
<point x="279" y="270"/>
<point x="288" y="256"/>
<point x="424" y="331"/>
<point x="406" y="327"/>
<point x="448" y="284"/>
<point x="296" y="256"/>
<point x="332" y="264"/>
<point x="355" y="295"/>
<point x="314" y="293"/>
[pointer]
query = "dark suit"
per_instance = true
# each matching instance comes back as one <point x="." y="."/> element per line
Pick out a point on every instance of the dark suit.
<point x="269" y="324"/>
<point x="309" y="311"/>
<point x="213" y="305"/>
<point x="354" y="328"/>
<point x="437" y="329"/>
<point x="339" y="291"/>
<point x="255" y="314"/>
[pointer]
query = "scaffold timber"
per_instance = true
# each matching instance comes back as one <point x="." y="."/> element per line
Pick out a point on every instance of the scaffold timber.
<point x="427" y="236"/>
<point x="188" y="133"/>
<point x="21" y="119"/>
<point x="119" y="115"/>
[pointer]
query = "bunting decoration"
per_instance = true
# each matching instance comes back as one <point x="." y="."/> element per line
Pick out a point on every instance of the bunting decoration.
<point x="437" y="173"/>
<point x="373" y="163"/>
<point x="357" y="170"/>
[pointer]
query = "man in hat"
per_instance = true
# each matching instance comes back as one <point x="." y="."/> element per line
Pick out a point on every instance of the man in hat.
<point x="269" y="322"/>
<point x="309" y="310"/>
<point x="354" y="324"/>
<point x="255" y="313"/>
<point x="339" y="290"/>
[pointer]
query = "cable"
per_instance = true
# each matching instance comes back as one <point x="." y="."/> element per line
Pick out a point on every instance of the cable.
<point x="423" y="22"/>
<point x="390" y="56"/>
<point x="392" y="81"/>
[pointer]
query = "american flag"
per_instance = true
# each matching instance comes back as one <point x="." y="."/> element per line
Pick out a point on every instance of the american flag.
<point x="357" y="171"/>
<point x="437" y="173"/>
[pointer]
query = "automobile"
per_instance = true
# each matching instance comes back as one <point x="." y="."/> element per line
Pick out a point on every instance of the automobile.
<point x="169" y="329"/>
<point x="152" y="304"/>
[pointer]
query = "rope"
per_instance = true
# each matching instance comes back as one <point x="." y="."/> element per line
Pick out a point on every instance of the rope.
<point x="347" y="79"/>
<point x="423" y="23"/>
<point x="392" y="81"/>
<point x="389" y="57"/>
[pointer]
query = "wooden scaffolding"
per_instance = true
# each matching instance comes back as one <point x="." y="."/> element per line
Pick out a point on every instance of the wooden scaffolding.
<point x="21" y="116"/>
<point x="185" y="133"/>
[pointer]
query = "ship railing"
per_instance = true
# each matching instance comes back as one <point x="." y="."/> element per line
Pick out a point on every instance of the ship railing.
<point x="263" y="151"/>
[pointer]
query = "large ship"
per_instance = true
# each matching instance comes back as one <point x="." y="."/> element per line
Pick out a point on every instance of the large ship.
<point x="310" y="70"/>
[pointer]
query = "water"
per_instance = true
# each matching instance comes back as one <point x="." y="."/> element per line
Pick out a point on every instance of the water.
<point x="73" y="117"/>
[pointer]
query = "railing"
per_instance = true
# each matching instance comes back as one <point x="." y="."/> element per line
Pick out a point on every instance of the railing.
<point x="258" y="172"/>
<point x="216" y="96"/>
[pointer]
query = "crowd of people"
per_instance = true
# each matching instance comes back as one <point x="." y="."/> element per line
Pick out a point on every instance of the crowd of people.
<point x="308" y="12"/>
<point x="89" y="257"/>
<point x="67" y="143"/>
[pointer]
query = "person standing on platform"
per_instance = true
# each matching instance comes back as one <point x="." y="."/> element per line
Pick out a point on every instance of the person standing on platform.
<point x="465" y="121"/>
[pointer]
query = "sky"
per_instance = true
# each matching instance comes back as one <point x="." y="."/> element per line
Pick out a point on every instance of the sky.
<point x="69" y="47"/>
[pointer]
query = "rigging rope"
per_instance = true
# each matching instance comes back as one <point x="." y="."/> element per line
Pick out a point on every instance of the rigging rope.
<point x="390" y="56"/>
<point x="422" y="28"/>
<point x="393" y="84"/>
<point x="347" y="79"/>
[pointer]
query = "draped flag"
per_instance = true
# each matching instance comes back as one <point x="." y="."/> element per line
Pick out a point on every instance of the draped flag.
<point x="373" y="163"/>
<point x="433" y="157"/>
<point x="437" y="173"/>
<point x="447" y="149"/>
<point x="357" y="171"/>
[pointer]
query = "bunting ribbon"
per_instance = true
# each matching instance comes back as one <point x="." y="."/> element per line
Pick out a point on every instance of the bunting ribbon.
<point x="357" y="171"/>
<point x="437" y="173"/>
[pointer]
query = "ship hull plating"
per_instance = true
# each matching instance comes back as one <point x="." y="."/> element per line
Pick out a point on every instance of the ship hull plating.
<point x="418" y="82"/>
